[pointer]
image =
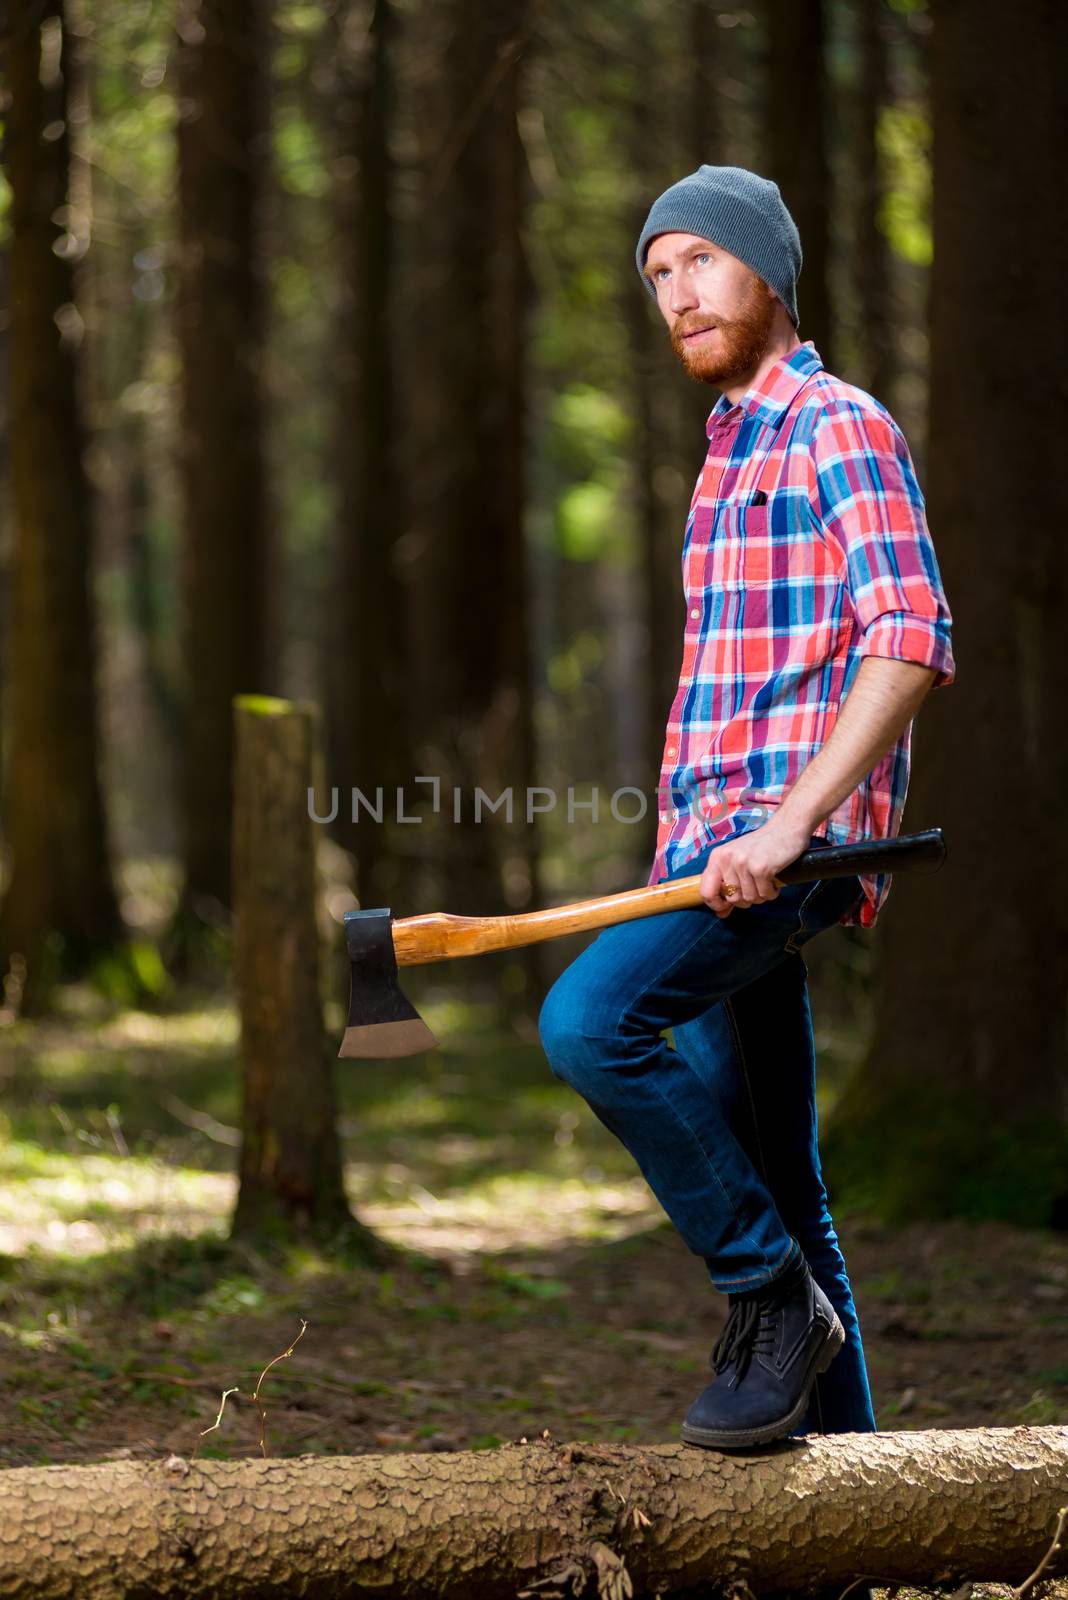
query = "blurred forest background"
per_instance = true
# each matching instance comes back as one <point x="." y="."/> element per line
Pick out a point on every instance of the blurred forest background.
<point x="327" y="374"/>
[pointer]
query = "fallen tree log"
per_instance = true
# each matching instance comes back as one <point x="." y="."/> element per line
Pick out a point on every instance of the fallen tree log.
<point x="541" y="1519"/>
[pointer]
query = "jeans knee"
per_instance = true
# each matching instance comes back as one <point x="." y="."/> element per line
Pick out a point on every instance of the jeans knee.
<point x="556" y="1031"/>
<point x="571" y="1034"/>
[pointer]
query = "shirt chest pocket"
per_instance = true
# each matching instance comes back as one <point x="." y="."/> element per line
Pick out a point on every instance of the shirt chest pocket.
<point x="738" y="554"/>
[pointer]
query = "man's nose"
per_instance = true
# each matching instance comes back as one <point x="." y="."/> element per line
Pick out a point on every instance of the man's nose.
<point x="683" y="297"/>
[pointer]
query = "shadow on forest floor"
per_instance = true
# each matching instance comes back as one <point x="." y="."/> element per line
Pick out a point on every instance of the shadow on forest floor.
<point x="539" y="1285"/>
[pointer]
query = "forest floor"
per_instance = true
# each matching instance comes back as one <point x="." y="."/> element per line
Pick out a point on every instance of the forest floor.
<point x="538" y="1286"/>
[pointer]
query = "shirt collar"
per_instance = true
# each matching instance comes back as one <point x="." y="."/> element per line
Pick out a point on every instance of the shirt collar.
<point x="770" y="399"/>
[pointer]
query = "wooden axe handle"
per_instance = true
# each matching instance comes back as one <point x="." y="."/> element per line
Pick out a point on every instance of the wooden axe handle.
<point x="438" y="936"/>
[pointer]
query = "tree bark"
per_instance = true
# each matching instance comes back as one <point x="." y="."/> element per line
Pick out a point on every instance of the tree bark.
<point x="706" y="49"/>
<point x="541" y="1519"/>
<point x="222" y="148"/>
<point x="874" y="287"/>
<point x="60" y="909"/>
<point x="368" y="666"/>
<point x="960" y="1107"/>
<point x="290" y="1163"/>
<point x="466" y="349"/>
<point x="797" y="115"/>
<point x="655" y="390"/>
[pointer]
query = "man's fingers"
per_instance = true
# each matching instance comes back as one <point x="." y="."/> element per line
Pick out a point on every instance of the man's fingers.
<point x="712" y="893"/>
<point x="734" y="879"/>
<point x="746" y="887"/>
<point x="750" y="888"/>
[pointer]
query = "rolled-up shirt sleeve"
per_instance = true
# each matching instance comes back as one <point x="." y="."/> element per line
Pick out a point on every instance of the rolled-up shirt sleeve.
<point x="871" y="511"/>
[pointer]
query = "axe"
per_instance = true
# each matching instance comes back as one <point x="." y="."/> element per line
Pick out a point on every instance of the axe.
<point x="383" y="1023"/>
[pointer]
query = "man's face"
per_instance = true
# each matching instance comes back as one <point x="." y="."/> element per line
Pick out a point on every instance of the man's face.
<point x="718" y="311"/>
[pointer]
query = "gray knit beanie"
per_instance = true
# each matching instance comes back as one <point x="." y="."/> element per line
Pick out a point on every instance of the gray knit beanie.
<point x="741" y="213"/>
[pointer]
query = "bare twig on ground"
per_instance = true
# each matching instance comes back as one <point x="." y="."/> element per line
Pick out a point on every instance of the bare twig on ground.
<point x="254" y="1397"/>
<point x="256" y="1392"/>
<point x="222" y="1407"/>
<point x="1029" y="1583"/>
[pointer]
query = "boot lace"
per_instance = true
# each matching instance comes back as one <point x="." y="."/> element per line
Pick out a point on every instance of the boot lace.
<point x="749" y="1329"/>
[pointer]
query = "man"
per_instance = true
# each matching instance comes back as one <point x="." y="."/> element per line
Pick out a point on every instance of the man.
<point x="815" y="625"/>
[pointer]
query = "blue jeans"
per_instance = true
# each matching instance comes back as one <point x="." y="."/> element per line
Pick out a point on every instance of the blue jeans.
<point x="723" y="1125"/>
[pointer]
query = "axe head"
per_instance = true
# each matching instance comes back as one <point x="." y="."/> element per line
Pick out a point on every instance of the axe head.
<point x="382" y="1022"/>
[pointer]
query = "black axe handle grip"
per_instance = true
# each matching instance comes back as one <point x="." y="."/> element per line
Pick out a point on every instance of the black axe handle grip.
<point x="902" y="854"/>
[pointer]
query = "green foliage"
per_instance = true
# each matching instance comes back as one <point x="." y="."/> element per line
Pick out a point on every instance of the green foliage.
<point x="228" y="1296"/>
<point x="522" y="1284"/>
<point x="905" y="145"/>
<point x="132" y="975"/>
<point x="298" y="150"/>
<point x="301" y="18"/>
<point x="1042" y="1410"/>
<point x="263" y="705"/>
<point x="585" y="521"/>
<point x="573" y="666"/>
<point x="593" y="428"/>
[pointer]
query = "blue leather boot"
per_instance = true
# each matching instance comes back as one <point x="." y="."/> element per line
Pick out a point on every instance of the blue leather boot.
<point x="775" y="1343"/>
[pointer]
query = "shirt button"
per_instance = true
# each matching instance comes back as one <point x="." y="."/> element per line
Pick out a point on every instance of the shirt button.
<point x="663" y="816"/>
<point x="672" y="750"/>
<point x="695" y="615"/>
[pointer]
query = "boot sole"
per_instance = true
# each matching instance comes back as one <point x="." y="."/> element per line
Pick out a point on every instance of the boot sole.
<point x="738" y="1438"/>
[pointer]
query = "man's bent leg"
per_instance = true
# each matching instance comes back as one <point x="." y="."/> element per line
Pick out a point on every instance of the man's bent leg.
<point x="769" y="1093"/>
<point x="602" y="1025"/>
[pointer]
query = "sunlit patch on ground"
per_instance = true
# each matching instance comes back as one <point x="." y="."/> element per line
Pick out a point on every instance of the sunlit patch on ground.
<point x="79" y="1027"/>
<point x="527" y="1211"/>
<point x="77" y="1205"/>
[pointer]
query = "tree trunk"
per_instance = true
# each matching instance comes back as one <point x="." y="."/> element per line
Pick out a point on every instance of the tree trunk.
<point x="960" y="1108"/>
<point x="290" y="1163"/>
<point x="222" y="148"/>
<point x="706" y="42"/>
<point x="931" y="1507"/>
<point x="874" y="292"/>
<point x="60" y="908"/>
<point x="5" y="485"/>
<point x="369" y="666"/>
<point x="137" y="683"/>
<point x="466" y="348"/>
<point x="797" y="115"/>
<point x="660" y="543"/>
<point x="655" y="389"/>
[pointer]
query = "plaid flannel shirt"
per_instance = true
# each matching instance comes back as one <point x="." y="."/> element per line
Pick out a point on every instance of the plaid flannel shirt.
<point x="806" y="549"/>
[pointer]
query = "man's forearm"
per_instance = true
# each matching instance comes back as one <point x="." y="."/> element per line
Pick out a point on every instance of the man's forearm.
<point x="884" y="697"/>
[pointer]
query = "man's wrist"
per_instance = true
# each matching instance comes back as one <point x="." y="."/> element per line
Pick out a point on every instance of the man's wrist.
<point x="793" y="813"/>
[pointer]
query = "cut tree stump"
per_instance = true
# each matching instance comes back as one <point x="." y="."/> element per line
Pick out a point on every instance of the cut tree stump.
<point x="289" y="1171"/>
<point x="542" y="1519"/>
